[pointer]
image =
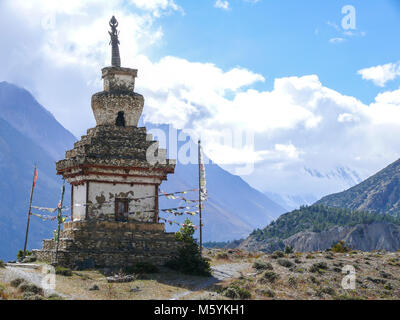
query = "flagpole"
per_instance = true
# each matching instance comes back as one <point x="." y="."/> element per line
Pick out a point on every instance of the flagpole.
<point x="201" y="228"/>
<point x="59" y="217"/>
<point x="30" y="207"/>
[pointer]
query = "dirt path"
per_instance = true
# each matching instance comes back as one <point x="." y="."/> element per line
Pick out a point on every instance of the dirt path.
<point x="219" y="273"/>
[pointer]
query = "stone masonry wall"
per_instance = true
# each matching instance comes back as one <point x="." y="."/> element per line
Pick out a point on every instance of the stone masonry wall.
<point x="110" y="244"/>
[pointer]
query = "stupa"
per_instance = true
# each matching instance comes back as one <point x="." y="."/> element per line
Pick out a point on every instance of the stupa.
<point x="115" y="171"/>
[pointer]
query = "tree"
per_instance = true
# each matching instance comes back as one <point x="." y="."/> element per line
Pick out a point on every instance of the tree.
<point x="189" y="259"/>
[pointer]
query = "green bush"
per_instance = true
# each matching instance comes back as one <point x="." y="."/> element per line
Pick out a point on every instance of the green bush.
<point x="288" y="250"/>
<point x="31" y="296"/>
<point x="326" y="290"/>
<point x="277" y="254"/>
<point x="17" y="282"/>
<point x="236" y="292"/>
<point x="317" y="267"/>
<point x="292" y="282"/>
<point x="340" y="247"/>
<point x="54" y="297"/>
<point x="142" y="267"/>
<point x="260" y="265"/>
<point x="266" y="293"/>
<point x="270" y="276"/>
<point x="31" y="288"/>
<point x="63" y="271"/>
<point x="20" y="254"/>
<point x="285" y="263"/>
<point x="189" y="259"/>
<point x="2" y="265"/>
<point x="222" y="255"/>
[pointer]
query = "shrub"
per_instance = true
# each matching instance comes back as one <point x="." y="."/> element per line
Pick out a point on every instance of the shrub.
<point x="142" y="267"/>
<point x="317" y="267"/>
<point x="20" y="254"/>
<point x="63" y="271"/>
<point x="222" y="256"/>
<point x="269" y="293"/>
<point x="285" y="263"/>
<point x="292" y="282"/>
<point x="327" y="290"/>
<point x="260" y="265"/>
<point x="288" y="249"/>
<point x="16" y="282"/>
<point x="312" y="279"/>
<point x="340" y="247"/>
<point x="313" y="269"/>
<point x="388" y="286"/>
<point x="31" y="296"/>
<point x="2" y="265"/>
<point x="31" y="288"/>
<point x="277" y="254"/>
<point x="189" y="259"/>
<point x="270" y="276"/>
<point x="236" y="292"/>
<point x="54" y="297"/>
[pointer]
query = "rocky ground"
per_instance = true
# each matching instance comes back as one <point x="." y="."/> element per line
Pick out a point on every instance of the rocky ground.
<point x="237" y="274"/>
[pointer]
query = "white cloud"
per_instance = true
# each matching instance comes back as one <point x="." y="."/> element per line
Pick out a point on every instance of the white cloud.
<point x="381" y="74"/>
<point x="222" y="4"/>
<point x="298" y="123"/>
<point x="347" y="117"/>
<point x="336" y="40"/>
<point x="157" y="6"/>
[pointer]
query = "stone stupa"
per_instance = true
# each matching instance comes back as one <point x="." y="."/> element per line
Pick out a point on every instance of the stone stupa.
<point x="114" y="184"/>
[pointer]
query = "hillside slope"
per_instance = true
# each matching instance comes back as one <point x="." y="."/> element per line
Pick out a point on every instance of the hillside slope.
<point x="21" y="110"/>
<point x="318" y="227"/>
<point x="18" y="154"/>
<point x="378" y="193"/>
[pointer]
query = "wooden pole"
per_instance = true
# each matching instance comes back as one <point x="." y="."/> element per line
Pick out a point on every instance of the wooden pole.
<point x="29" y="212"/>
<point x="59" y="217"/>
<point x="201" y="227"/>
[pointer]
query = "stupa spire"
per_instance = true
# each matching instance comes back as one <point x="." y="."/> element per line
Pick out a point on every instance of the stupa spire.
<point x="115" y="58"/>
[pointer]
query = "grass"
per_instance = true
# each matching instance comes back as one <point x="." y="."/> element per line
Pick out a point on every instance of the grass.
<point x="63" y="271"/>
<point x="265" y="278"/>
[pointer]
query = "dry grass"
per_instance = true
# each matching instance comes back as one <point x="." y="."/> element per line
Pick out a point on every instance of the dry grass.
<point x="318" y="275"/>
<point x="314" y="276"/>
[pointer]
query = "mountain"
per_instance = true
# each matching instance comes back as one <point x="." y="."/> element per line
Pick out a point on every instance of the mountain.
<point x="364" y="237"/>
<point x="379" y="193"/>
<point x="291" y="201"/>
<point x="29" y="134"/>
<point x="20" y="109"/>
<point x="364" y="216"/>
<point x="342" y="174"/>
<point x="318" y="227"/>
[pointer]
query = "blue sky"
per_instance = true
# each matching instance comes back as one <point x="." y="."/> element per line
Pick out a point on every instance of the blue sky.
<point x="286" y="38"/>
<point x="317" y="99"/>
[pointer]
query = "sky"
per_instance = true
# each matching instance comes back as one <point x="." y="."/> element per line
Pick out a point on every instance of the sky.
<point x="307" y="91"/>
